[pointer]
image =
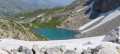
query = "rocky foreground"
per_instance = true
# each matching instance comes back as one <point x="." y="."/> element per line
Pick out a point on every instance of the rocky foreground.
<point x="110" y="44"/>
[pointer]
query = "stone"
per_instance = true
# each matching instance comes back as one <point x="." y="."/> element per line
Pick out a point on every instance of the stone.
<point x="63" y="48"/>
<point x="78" y="51"/>
<point x="25" y="50"/>
<point x="14" y="50"/>
<point x="118" y="47"/>
<point x="107" y="48"/>
<point x="43" y="49"/>
<point x="50" y="51"/>
<point x="17" y="53"/>
<point x="105" y="5"/>
<point x="56" y="50"/>
<point x="113" y="36"/>
<point x="70" y="52"/>
<point x="85" y="52"/>
<point x="87" y="43"/>
<point x="3" y="51"/>
<point x="35" y="49"/>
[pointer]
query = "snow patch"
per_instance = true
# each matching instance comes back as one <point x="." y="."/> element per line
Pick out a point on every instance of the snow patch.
<point x="40" y="15"/>
<point x="109" y="16"/>
<point x="70" y="44"/>
<point x="91" y="10"/>
<point x="82" y="9"/>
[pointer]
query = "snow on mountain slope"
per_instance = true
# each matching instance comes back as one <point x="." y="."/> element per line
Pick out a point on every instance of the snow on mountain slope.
<point x="70" y="44"/>
<point x="108" y="16"/>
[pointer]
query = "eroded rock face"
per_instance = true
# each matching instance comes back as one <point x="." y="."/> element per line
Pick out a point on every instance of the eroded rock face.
<point x="105" y="5"/>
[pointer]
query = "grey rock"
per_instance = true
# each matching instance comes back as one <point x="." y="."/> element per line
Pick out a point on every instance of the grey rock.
<point x="43" y="49"/>
<point x="50" y="51"/>
<point x="103" y="51"/>
<point x="14" y="50"/>
<point x="63" y="48"/>
<point x="3" y="52"/>
<point x="36" y="49"/>
<point x="70" y="52"/>
<point x="86" y="52"/>
<point x="18" y="53"/>
<point x="56" y="50"/>
<point x="6" y="51"/>
<point x="25" y="50"/>
<point x="87" y="43"/>
<point x="107" y="48"/>
<point x="118" y="47"/>
<point x="113" y="36"/>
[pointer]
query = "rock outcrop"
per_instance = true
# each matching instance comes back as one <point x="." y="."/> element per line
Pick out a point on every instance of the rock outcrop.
<point x="105" y="5"/>
<point x="113" y="36"/>
<point x="36" y="49"/>
<point x="25" y="50"/>
<point x="13" y="30"/>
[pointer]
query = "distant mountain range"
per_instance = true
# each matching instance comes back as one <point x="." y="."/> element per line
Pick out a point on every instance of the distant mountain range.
<point x="11" y="7"/>
<point x="43" y="3"/>
<point x="48" y="3"/>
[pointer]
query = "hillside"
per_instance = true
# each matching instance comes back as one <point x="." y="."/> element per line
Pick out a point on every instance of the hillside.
<point x="97" y="21"/>
<point x="47" y="16"/>
<point x="25" y="23"/>
<point x="78" y="16"/>
<point x="11" y="29"/>
<point x="10" y="7"/>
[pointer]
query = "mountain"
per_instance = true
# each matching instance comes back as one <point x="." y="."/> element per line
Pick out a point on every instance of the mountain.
<point x="10" y="7"/>
<point x="97" y="19"/>
<point x="79" y="16"/>
<point x="105" y="5"/>
<point x="11" y="29"/>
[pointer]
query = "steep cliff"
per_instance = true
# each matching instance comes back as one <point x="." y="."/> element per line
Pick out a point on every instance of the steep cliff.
<point x="105" y="5"/>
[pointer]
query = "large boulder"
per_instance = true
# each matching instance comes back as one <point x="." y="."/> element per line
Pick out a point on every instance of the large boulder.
<point x="113" y="36"/>
<point x="43" y="49"/>
<point x="107" y="48"/>
<point x="25" y="50"/>
<point x="105" y="5"/>
<point x="36" y="49"/>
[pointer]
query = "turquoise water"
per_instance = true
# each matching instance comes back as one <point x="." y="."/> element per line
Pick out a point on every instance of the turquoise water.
<point x="56" y="34"/>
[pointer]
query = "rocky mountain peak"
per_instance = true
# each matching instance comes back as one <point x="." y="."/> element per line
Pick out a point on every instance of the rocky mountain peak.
<point x="105" y="5"/>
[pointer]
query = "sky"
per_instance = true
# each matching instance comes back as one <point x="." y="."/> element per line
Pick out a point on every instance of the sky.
<point x="48" y="3"/>
<point x="65" y="2"/>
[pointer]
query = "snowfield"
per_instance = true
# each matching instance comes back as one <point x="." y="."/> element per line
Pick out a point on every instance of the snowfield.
<point x="107" y="17"/>
<point x="70" y="44"/>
